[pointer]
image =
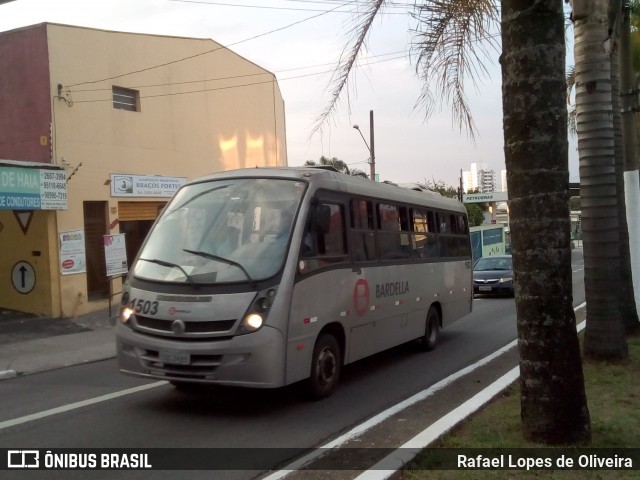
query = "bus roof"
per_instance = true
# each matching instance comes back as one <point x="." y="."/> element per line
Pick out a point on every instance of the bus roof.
<point x="320" y="178"/>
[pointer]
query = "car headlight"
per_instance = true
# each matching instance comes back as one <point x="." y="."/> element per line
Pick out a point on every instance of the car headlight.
<point x="505" y="279"/>
<point x="257" y="313"/>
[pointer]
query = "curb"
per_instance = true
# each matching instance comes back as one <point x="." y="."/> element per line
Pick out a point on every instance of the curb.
<point x="6" y="374"/>
<point x="52" y="353"/>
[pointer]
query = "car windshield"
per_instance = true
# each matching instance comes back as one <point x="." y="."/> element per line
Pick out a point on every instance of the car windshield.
<point x="493" y="263"/>
<point x="222" y="231"/>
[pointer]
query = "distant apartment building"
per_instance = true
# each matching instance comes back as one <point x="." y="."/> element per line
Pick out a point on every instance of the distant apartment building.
<point x="487" y="181"/>
<point x="98" y="129"/>
<point x="480" y="178"/>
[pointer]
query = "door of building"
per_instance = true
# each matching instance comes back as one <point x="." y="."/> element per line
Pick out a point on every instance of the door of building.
<point x="136" y="219"/>
<point x="95" y="226"/>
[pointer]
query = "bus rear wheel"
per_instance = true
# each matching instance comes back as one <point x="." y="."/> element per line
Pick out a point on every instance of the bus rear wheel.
<point x="325" y="367"/>
<point x="432" y="330"/>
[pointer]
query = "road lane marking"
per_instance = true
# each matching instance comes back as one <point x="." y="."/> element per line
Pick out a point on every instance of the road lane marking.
<point x="76" y="405"/>
<point x="443" y="425"/>
<point x="393" y="462"/>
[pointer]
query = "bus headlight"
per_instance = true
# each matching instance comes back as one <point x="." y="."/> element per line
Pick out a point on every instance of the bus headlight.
<point x="125" y="314"/>
<point x="252" y="322"/>
<point x="257" y="313"/>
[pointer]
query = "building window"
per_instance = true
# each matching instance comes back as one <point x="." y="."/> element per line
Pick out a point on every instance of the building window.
<point x="126" y="99"/>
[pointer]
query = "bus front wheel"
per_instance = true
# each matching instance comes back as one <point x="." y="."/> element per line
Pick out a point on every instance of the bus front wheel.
<point x="432" y="330"/>
<point x="325" y="367"/>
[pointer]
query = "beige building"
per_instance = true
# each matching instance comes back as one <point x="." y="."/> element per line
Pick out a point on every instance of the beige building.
<point x="97" y="131"/>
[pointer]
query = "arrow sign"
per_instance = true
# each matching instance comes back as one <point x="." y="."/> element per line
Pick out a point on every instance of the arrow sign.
<point x="23" y="277"/>
<point x="23" y="270"/>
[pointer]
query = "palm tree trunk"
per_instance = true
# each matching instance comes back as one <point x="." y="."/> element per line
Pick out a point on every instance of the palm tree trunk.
<point x="630" y="165"/>
<point x="604" y="333"/>
<point x="553" y="402"/>
<point x="625" y="293"/>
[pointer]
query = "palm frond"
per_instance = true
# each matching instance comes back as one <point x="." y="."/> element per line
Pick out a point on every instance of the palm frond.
<point x="571" y="82"/>
<point x="452" y="42"/>
<point x="340" y="79"/>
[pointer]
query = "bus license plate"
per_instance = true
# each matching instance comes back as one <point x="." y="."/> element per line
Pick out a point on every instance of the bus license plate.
<point x="175" y="357"/>
<point x="484" y="288"/>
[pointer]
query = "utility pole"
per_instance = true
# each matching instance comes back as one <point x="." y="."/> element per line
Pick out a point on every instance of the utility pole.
<point x="372" y="149"/>
<point x="370" y="146"/>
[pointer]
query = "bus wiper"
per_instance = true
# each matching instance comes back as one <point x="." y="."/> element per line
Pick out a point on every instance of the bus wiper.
<point x="170" y="265"/>
<point x="211" y="256"/>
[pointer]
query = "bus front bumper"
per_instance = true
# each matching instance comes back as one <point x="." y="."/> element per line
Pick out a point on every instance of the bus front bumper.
<point x="251" y="360"/>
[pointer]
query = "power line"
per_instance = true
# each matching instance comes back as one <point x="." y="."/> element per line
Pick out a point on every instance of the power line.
<point x="267" y="7"/>
<point x="255" y="6"/>
<point x="342" y="4"/>
<point x="225" y="87"/>
<point x="231" y="77"/>
<point x="212" y="50"/>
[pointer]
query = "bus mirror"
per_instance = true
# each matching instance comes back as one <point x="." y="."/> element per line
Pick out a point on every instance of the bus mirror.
<point x="321" y="218"/>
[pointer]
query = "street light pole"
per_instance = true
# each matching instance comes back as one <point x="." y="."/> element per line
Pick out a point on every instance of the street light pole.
<point x="372" y="156"/>
<point x="372" y="149"/>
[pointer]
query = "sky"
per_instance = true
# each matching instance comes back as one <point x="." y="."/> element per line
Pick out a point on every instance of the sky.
<point x="301" y="42"/>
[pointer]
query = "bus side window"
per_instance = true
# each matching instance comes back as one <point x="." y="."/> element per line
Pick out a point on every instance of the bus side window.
<point x="324" y="237"/>
<point x="420" y="234"/>
<point x="363" y="242"/>
<point x="393" y="238"/>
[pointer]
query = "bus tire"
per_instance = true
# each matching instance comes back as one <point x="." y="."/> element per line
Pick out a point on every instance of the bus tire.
<point x="325" y="367"/>
<point x="432" y="330"/>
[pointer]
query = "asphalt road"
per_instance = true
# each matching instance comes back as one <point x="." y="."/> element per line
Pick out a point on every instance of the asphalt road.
<point x="224" y="417"/>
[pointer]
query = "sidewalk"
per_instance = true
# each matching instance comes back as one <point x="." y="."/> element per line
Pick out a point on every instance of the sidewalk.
<point x="30" y="344"/>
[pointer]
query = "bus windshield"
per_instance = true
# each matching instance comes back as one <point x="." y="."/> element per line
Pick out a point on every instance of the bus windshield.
<point x="222" y="231"/>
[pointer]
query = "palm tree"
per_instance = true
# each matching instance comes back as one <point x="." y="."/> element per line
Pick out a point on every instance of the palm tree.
<point x="553" y="401"/>
<point x="626" y="166"/>
<point x="629" y="316"/>
<point x="338" y="165"/>
<point x="604" y="334"/>
<point x="630" y="55"/>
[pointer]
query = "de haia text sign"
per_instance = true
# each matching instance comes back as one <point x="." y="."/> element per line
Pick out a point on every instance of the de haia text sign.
<point x="145" y="186"/>
<point x="32" y="188"/>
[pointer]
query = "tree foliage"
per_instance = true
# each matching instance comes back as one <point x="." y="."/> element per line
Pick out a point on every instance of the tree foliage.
<point x="450" y="45"/>
<point x="339" y="165"/>
<point x="440" y="187"/>
<point x="474" y="211"/>
<point x="475" y="214"/>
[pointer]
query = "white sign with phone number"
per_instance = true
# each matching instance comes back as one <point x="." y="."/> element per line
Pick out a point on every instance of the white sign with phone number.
<point x="115" y="254"/>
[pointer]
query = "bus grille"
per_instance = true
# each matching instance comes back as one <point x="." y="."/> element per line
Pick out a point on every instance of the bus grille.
<point x="192" y="328"/>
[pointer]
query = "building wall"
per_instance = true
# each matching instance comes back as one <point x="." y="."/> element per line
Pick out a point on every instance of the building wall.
<point x="24" y="92"/>
<point x="34" y="249"/>
<point x="214" y="111"/>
